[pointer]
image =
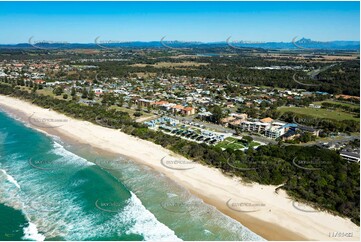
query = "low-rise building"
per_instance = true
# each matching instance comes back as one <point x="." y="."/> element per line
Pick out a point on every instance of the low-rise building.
<point x="188" y="111"/>
<point x="315" y="132"/>
<point x="145" y="102"/>
<point x="254" y="126"/>
<point x="350" y="156"/>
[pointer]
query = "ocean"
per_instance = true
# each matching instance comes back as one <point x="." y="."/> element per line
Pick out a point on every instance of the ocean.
<point x="52" y="189"/>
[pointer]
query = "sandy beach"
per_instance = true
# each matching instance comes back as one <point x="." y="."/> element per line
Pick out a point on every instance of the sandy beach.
<point x="274" y="216"/>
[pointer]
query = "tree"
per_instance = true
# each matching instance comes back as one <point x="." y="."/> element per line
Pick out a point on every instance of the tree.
<point x="73" y="92"/>
<point x="35" y="87"/>
<point x="84" y="93"/>
<point x="75" y="98"/>
<point x="217" y="114"/>
<point x="120" y="101"/>
<point x="130" y="104"/>
<point x="58" y="90"/>
<point x="65" y="96"/>
<point x="149" y="108"/>
<point x="138" y="114"/>
<point x="91" y="95"/>
<point x="247" y="140"/>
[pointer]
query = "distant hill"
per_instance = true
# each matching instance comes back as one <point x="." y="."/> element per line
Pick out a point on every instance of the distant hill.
<point x="303" y="43"/>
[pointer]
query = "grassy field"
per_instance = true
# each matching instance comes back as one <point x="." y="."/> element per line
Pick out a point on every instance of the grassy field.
<point x="337" y="102"/>
<point x="234" y="144"/>
<point x="230" y="143"/>
<point x="320" y="113"/>
<point x="47" y="92"/>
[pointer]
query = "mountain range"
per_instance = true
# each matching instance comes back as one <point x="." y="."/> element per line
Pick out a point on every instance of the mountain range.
<point x="303" y="43"/>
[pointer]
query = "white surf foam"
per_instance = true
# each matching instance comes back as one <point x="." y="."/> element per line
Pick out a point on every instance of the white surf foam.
<point x="31" y="232"/>
<point x="61" y="151"/>
<point x="133" y="219"/>
<point x="10" y="179"/>
<point x="146" y="223"/>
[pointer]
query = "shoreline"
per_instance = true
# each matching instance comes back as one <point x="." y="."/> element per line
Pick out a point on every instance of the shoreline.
<point x="276" y="220"/>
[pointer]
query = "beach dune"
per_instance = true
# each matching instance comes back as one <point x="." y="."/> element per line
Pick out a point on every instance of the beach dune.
<point x="274" y="216"/>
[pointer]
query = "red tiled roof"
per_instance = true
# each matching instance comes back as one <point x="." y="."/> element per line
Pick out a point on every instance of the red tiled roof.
<point x="178" y="107"/>
<point x="188" y="109"/>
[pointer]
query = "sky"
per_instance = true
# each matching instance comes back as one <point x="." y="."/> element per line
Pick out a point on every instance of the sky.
<point x="82" y="22"/>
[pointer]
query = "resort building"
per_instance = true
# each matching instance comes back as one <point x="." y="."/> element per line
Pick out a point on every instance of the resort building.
<point x="274" y="132"/>
<point x="257" y="127"/>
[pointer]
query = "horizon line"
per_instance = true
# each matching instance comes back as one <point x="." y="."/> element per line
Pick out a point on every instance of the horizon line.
<point x="112" y="42"/>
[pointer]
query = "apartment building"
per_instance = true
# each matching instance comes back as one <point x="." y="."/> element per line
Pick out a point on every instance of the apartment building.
<point x="274" y="132"/>
<point x="257" y="127"/>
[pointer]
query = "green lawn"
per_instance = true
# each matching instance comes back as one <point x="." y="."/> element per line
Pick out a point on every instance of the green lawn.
<point x="230" y="143"/>
<point x="340" y="103"/>
<point x="253" y="144"/>
<point x="234" y="144"/>
<point x="320" y="113"/>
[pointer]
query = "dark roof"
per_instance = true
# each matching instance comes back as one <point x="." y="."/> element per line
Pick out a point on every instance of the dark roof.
<point x="352" y="154"/>
<point x="306" y="128"/>
<point x="290" y="133"/>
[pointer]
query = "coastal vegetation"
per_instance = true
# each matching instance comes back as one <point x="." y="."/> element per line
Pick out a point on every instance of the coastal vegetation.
<point x="318" y="176"/>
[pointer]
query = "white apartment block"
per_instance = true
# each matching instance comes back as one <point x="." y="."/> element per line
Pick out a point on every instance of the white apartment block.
<point x="274" y="132"/>
<point x="254" y="126"/>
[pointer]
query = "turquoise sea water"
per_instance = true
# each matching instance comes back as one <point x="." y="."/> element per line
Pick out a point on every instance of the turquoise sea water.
<point x="52" y="190"/>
